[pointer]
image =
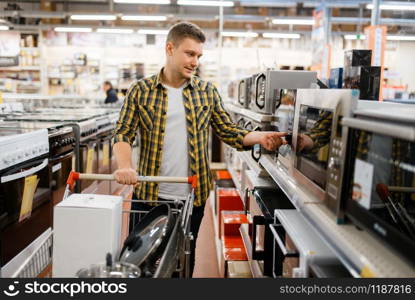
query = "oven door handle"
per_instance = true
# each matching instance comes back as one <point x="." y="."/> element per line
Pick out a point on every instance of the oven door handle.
<point x="256" y="91"/>
<point x="256" y="220"/>
<point x="258" y="128"/>
<point x="280" y="243"/>
<point x="239" y="91"/>
<point x="25" y="173"/>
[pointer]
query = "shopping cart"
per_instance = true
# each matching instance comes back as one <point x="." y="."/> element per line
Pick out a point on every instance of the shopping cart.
<point x="175" y="258"/>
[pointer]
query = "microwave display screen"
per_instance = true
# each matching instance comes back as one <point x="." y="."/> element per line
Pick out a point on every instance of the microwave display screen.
<point x="384" y="179"/>
<point x="313" y="143"/>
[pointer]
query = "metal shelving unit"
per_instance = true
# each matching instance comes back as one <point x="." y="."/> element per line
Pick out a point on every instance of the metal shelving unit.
<point x="362" y="254"/>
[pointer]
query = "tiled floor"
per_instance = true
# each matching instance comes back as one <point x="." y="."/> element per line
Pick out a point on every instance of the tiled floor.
<point x="206" y="265"/>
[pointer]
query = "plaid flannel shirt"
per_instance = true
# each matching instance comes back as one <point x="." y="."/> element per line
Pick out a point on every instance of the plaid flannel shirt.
<point x="145" y="110"/>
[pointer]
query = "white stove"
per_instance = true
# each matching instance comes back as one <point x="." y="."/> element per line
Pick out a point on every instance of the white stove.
<point x="18" y="146"/>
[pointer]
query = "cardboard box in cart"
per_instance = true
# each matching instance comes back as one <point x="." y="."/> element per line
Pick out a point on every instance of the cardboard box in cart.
<point x="86" y="228"/>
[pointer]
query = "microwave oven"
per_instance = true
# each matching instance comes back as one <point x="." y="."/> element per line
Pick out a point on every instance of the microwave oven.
<point x="381" y="181"/>
<point x="266" y="87"/>
<point x="319" y="142"/>
<point x="244" y="92"/>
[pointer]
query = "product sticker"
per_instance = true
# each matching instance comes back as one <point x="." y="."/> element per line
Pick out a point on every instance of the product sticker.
<point x="362" y="184"/>
<point x="30" y="185"/>
<point x="89" y="161"/>
<point x="56" y="167"/>
<point x="106" y="155"/>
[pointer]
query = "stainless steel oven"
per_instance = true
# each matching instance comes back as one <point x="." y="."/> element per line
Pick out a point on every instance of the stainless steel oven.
<point x="261" y="203"/>
<point x="296" y="246"/>
<point x="381" y="181"/>
<point x="320" y="142"/>
<point x="266" y="87"/>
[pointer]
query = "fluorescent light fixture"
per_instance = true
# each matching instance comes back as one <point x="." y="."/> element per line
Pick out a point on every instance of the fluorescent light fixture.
<point x="354" y="37"/>
<point x="400" y="38"/>
<point x="393" y="6"/>
<point x="144" y="18"/>
<point x="94" y="17"/>
<point x="293" y="21"/>
<point x="73" y="29"/>
<point x="239" y="34"/>
<point x="273" y="35"/>
<point x="142" y="1"/>
<point x="205" y="3"/>
<point x="115" y="30"/>
<point x="3" y="27"/>
<point x="153" y="31"/>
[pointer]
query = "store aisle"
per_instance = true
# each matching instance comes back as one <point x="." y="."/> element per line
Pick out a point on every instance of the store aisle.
<point x="206" y="260"/>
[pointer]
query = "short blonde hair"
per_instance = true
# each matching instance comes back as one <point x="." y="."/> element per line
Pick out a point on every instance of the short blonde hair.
<point x="183" y="30"/>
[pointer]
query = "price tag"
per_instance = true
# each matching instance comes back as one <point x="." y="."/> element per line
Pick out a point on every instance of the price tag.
<point x="30" y="185"/>
<point x="106" y="155"/>
<point x="89" y="160"/>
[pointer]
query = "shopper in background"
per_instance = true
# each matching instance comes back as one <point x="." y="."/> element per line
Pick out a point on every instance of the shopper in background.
<point x="172" y="111"/>
<point x="111" y="93"/>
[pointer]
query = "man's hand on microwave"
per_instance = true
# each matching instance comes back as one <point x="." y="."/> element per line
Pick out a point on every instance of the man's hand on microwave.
<point x="270" y="140"/>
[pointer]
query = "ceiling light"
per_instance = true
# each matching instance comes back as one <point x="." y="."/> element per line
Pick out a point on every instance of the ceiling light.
<point x="239" y="34"/>
<point x="3" y="27"/>
<point x="393" y="6"/>
<point x="94" y="17"/>
<point x="142" y="1"/>
<point x="73" y="29"/>
<point x="114" y="30"/>
<point x="354" y="37"/>
<point x="273" y="35"/>
<point x="205" y="3"/>
<point x="153" y="31"/>
<point x="293" y="21"/>
<point x="400" y="38"/>
<point x="144" y="18"/>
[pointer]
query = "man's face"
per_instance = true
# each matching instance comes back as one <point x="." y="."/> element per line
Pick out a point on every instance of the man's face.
<point x="184" y="57"/>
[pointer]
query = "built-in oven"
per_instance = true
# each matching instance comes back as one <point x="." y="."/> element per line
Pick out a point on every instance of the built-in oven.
<point x="296" y="246"/>
<point x="25" y="194"/>
<point x="381" y="181"/>
<point x="244" y="92"/>
<point x="266" y="87"/>
<point x="261" y="203"/>
<point x="319" y="142"/>
<point x="257" y="149"/>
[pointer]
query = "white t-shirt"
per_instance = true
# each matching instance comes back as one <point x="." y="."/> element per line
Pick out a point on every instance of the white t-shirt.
<point x="175" y="160"/>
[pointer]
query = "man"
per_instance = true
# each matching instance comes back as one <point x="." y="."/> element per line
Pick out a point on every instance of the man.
<point x="172" y="111"/>
<point x="111" y="93"/>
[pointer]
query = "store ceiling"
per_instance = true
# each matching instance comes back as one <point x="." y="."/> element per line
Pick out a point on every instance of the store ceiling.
<point x="348" y="15"/>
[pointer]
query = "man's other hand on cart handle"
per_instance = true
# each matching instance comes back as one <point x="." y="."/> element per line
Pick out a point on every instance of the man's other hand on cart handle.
<point x="126" y="176"/>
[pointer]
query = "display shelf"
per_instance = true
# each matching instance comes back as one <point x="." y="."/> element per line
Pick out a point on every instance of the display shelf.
<point x="257" y="117"/>
<point x="253" y="264"/>
<point x="362" y="254"/>
<point x="252" y="164"/>
<point x="20" y="69"/>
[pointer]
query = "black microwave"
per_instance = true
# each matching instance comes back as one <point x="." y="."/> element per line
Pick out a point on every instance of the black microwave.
<point x="319" y="143"/>
<point x="381" y="181"/>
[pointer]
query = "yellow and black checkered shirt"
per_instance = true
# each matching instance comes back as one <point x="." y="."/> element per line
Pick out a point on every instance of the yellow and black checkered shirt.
<point x="145" y="110"/>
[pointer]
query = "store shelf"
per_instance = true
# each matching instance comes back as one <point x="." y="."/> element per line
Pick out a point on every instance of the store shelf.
<point x="20" y="69"/>
<point x="252" y="164"/>
<point x="362" y="254"/>
<point x="218" y="242"/>
<point x="257" y="117"/>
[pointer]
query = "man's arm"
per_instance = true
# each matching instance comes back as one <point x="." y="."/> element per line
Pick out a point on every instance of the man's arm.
<point x="237" y="137"/>
<point x="124" y="135"/>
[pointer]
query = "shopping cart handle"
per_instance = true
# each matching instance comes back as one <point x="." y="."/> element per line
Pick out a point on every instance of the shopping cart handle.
<point x="73" y="176"/>
<point x="193" y="181"/>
